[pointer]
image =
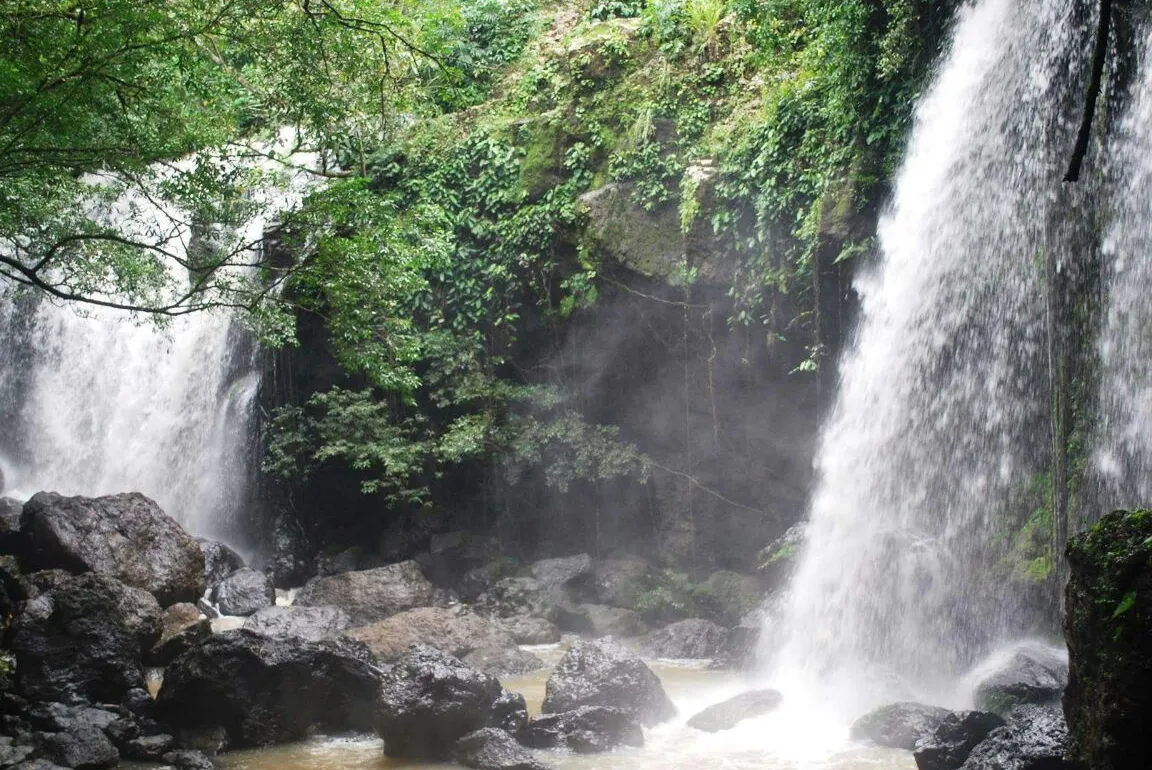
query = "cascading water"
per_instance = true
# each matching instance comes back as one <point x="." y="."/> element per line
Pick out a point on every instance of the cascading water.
<point x="940" y="418"/>
<point x="95" y="402"/>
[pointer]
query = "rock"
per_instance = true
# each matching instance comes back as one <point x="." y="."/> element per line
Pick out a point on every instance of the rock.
<point x="1034" y="739"/>
<point x="210" y="739"/>
<point x="741" y="648"/>
<point x="648" y="243"/>
<point x="183" y="628"/>
<point x="691" y="638"/>
<point x="429" y="700"/>
<point x="476" y="581"/>
<point x="528" y="630"/>
<point x="14" y="586"/>
<point x="347" y="560"/>
<point x="81" y="747"/>
<point x="36" y="764"/>
<point x="519" y="597"/>
<point x="953" y="739"/>
<point x="504" y="661"/>
<point x="726" y="597"/>
<point x="15" y="756"/>
<point x="618" y="582"/>
<point x="265" y="690"/>
<point x="1033" y="675"/>
<point x="308" y="623"/>
<point x="510" y="713"/>
<point x="729" y="713"/>
<point x="291" y="563"/>
<point x="898" y="725"/>
<point x="613" y="621"/>
<point x="452" y="630"/>
<point x="84" y="640"/>
<point x="43" y="581"/>
<point x="493" y="749"/>
<point x="555" y="574"/>
<point x="778" y="559"/>
<point x="604" y="673"/>
<point x="148" y="747"/>
<point x="220" y="561"/>
<point x="189" y="760"/>
<point x="374" y="594"/>
<point x="10" y="512"/>
<point x="1108" y="628"/>
<point x="58" y="717"/>
<point x="126" y="537"/>
<point x="586" y="730"/>
<point x="243" y="592"/>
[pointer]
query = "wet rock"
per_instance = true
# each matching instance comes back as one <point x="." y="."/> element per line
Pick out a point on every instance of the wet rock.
<point x="778" y="559"/>
<point x="953" y="739"/>
<point x="43" y="581"/>
<point x="604" y="673"/>
<point x="429" y="699"/>
<point x="586" y="730"/>
<point x="84" y="640"/>
<point x="453" y="630"/>
<point x="183" y="628"/>
<point x="504" y="661"/>
<point x="124" y="536"/>
<point x="347" y="560"/>
<point x="308" y="623"/>
<point x="10" y="512"/>
<point x="207" y="738"/>
<point x="243" y="592"/>
<point x="80" y="747"/>
<point x="1108" y="628"/>
<point x="220" y="561"/>
<point x="510" y="713"/>
<point x="1032" y="675"/>
<point x="474" y="582"/>
<point x="368" y="596"/>
<point x="729" y="713"/>
<point x="898" y="725"/>
<point x="528" y="630"/>
<point x="291" y="563"/>
<point x="58" y="717"/>
<point x="265" y="690"/>
<point x="618" y="582"/>
<point x="137" y="702"/>
<point x="726" y="597"/>
<point x="148" y="747"/>
<point x="519" y="597"/>
<point x="1034" y="739"/>
<point x="189" y="760"/>
<point x="556" y="574"/>
<point x="15" y="755"/>
<point x="493" y="749"/>
<point x="691" y="638"/>
<point x="36" y="764"/>
<point x="740" y="649"/>
<point x="613" y="621"/>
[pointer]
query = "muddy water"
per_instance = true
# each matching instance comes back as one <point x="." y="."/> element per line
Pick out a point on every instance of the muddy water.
<point x="797" y="737"/>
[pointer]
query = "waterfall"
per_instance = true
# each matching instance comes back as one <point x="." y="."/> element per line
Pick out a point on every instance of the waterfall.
<point x="94" y="401"/>
<point x="940" y="420"/>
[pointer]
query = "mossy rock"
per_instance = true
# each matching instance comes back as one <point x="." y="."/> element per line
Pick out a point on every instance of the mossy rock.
<point x="646" y="242"/>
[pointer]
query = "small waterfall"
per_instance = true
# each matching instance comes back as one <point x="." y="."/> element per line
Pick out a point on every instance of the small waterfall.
<point x="940" y="420"/>
<point x="93" y="401"/>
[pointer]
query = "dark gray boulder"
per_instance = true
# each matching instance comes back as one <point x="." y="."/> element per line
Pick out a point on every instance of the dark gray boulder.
<point x="618" y="582"/>
<point x="727" y="714"/>
<point x="605" y="673"/>
<point x="428" y="700"/>
<point x="740" y="649"/>
<point x="243" y="592"/>
<point x="491" y="748"/>
<point x="586" y="730"/>
<point x="220" y="561"/>
<point x="371" y="595"/>
<point x="291" y="563"/>
<point x="10" y="512"/>
<point x="16" y="754"/>
<point x="126" y="537"/>
<point x="520" y="597"/>
<point x="182" y="629"/>
<point x="529" y="630"/>
<point x="558" y="573"/>
<point x="36" y="764"/>
<point x="189" y="760"/>
<point x="265" y="690"/>
<point x="503" y="661"/>
<point x="953" y="739"/>
<point x="148" y="747"/>
<point x="309" y="623"/>
<point x="898" y="725"/>
<point x="1034" y="739"/>
<point x="1032" y="675"/>
<point x="84" y="640"/>
<point x="82" y="747"/>
<point x="691" y="638"/>
<point x="510" y="713"/>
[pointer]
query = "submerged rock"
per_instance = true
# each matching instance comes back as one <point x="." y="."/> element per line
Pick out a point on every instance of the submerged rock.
<point x="586" y="730"/>
<point x="1108" y="627"/>
<point x="691" y="638"/>
<point x="243" y="592"/>
<point x="368" y="596"/>
<point x="729" y="713"/>
<point x="604" y="673"/>
<point x="84" y="640"/>
<point x="265" y="690"/>
<point x="898" y="725"/>
<point x="126" y="537"/>
<point x="1034" y="739"/>
<point x="428" y="700"/>
<point x="1032" y="675"/>
<point x="491" y="748"/>
<point x="953" y="739"/>
<point x="309" y="623"/>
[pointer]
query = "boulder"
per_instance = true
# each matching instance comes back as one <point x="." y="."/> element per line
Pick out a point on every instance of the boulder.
<point x="309" y="623"/>
<point x="1034" y="739"/>
<point x="59" y="717"/>
<point x="347" y="560"/>
<point x="371" y="595"/>
<point x="1033" y="675"/>
<point x="510" y="713"/>
<point x="126" y="537"/>
<point x="36" y="764"/>
<point x="691" y="638"/>
<point x="182" y="629"/>
<point x="528" y="630"/>
<point x="80" y="747"/>
<point x="291" y="562"/>
<point x="243" y="592"/>
<point x="186" y="759"/>
<point x="727" y="714"/>
<point x="586" y="730"/>
<point x="604" y="673"/>
<point x="726" y="597"/>
<point x="618" y="582"/>
<point x="474" y="582"/>
<point x="491" y="748"/>
<point x="898" y="725"/>
<point x="149" y="747"/>
<point x="504" y="661"/>
<point x="428" y="700"/>
<point x="16" y="755"/>
<point x="740" y="649"/>
<point x="613" y="621"/>
<point x="520" y="597"/>
<point x="84" y="640"/>
<point x="953" y="739"/>
<point x="558" y="573"/>
<point x="220" y="561"/>
<point x="265" y="690"/>
<point x="453" y="630"/>
<point x="10" y="513"/>
<point x="1108" y="628"/>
